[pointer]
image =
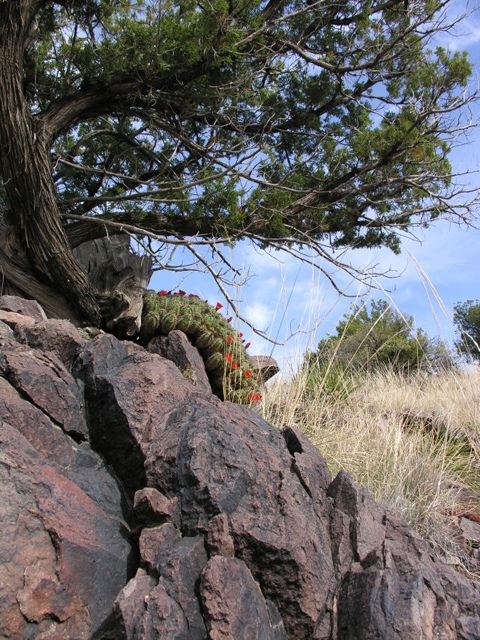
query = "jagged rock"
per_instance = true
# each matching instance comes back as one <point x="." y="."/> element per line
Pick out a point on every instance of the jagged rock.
<point x="148" y="387"/>
<point x="178" y="563"/>
<point x="149" y="614"/>
<point x="167" y="606"/>
<point x="43" y="379"/>
<point x="24" y="307"/>
<point x="131" y="607"/>
<point x="177" y="348"/>
<point x="58" y="336"/>
<point x="367" y="518"/>
<point x="219" y="541"/>
<point x="151" y="507"/>
<point x="234" y="605"/>
<point x="63" y="554"/>
<point x="242" y="533"/>
<point x="216" y="457"/>
<point x="12" y="319"/>
<point x="265" y="366"/>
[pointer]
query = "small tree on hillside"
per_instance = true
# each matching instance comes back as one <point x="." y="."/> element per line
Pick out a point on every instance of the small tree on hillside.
<point x="467" y="320"/>
<point x="369" y="339"/>
<point x="293" y="124"/>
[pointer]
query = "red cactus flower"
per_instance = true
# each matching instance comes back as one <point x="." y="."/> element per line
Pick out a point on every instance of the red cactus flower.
<point x="247" y="345"/>
<point x="229" y="339"/>
<point x="162" y="293"/>
<point x="254" y="397"/>
<point x="219" y="306"/>
<point x="248" y="373"/>
<point x="182" y="293"/>
<point x="240" y="334"/>
<point x="235" y="365"/>
<point x="193" y="295"/>
<point x="228" y="357"/>
<point x="230" y="319"/>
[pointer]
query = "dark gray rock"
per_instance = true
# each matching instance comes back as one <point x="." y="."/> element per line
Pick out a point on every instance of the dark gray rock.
<point x="131" y="605"/>
<point x="367" y="517"/>
<point x="129" y="394"/>
<point x="177" y="348"/>
<point x="470" y="530"/>
<point x="44" y="381"/>
<point x="148" y="613"/>
<point x="5" y="331"/>
<point x="57" y="336"/>
<point x="153" y="508"/>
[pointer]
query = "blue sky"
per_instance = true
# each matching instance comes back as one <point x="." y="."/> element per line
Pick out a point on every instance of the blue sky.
<point x="283" y="297"/>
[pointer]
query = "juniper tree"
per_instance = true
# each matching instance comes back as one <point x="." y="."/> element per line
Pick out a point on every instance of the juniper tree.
<point x="299" y="125"/>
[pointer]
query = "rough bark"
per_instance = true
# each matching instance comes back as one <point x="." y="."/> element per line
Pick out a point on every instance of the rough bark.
<point x="120" y="278"/>
<point x="27" y="175"/>
<point x="17" y="276"/>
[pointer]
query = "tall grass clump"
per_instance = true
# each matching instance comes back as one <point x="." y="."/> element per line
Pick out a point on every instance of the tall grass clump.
<point x="412" y="439"/>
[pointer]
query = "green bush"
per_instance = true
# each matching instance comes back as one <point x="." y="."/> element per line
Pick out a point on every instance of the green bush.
<point x="467" y="320"/>
<point x="368" y="339"/>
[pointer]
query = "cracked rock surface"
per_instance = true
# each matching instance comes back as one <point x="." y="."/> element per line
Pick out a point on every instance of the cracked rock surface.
<point x="135" y="505"/>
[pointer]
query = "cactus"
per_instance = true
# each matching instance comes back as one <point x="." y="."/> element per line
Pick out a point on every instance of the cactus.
<point x="226" y="359"/>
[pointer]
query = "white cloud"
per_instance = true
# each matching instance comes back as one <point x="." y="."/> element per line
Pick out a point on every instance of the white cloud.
<point x="259" y="314"/>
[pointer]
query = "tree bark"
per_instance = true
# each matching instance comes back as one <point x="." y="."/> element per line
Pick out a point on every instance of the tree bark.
<point x="27" y="174"/>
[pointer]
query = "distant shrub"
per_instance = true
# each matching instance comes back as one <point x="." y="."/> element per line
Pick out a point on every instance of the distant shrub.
<point x="368" y="339"/>
<point x="467" y="320"/>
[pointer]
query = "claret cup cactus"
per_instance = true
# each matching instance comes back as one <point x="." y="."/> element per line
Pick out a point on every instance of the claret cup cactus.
<point x="226" y="360"/>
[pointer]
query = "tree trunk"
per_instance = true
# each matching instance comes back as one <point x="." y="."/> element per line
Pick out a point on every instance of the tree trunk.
<point x="121" y="277"/>
<point x="27" y="174"/>
<point x="18" y="278"/>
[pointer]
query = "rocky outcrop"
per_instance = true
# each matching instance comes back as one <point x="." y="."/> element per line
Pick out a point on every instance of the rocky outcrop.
<point x="136" y="505"/>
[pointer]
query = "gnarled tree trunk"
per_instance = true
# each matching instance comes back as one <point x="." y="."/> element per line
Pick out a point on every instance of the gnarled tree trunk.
<point x="27" y="175"/>
<point x="118" y="275"/>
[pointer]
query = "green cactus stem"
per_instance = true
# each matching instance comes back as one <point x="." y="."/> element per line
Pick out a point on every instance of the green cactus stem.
<point x="226" y="361"/>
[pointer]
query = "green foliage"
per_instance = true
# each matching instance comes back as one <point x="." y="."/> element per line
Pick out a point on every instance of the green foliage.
<point x="467" y="320"/>
<point x="209" y="117"/>
<point x="226" y="359"/>
<point x="379" y="337"/>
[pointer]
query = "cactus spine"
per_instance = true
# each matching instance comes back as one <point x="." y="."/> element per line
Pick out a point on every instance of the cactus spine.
<point x="226" y="360"/>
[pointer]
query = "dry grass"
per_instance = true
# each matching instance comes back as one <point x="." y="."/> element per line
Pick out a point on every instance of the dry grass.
<point x="414" y="442"/>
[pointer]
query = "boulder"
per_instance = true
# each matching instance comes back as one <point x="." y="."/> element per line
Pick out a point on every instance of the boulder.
<point x="318" y="551"/>
<point x="234" y="605"/>
<point x="44" y="381"/>
<point x="265" y="367"/>
<point x="177" y="348"/>
<point x="64" y="549"/>
<point x="57" y="336"/>
<point x="151" y="508"/>
<point x="5" y="331"/>
<point x="29" y="308"/>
